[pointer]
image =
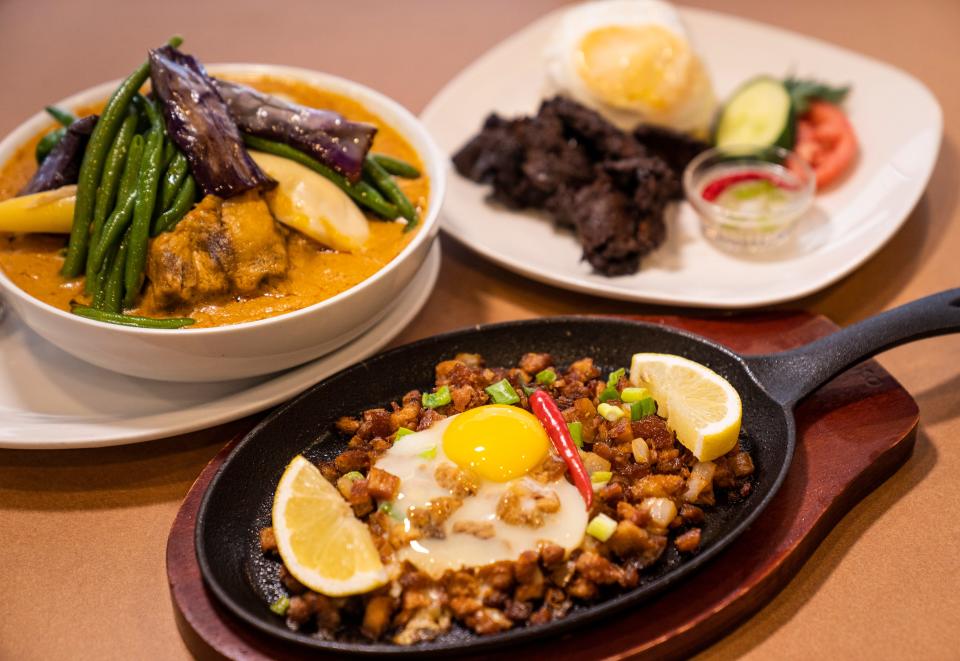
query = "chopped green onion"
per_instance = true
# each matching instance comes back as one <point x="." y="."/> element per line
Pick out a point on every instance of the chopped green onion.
<point x="546" y="377"/>
<point x="429" y="453"/>
<point x="610" y="413"/>
<point x="502" y="392"/>
<point x="353" y="476"/>
<point x="630" y="395"/>
<point x="643" y="408"/>
<point x="614" y="377"/>
<point x="601" y="527"/>
<point x="401" y="432"/>
<point x="576" y="432"/>
<point x="437" y="399"/>
<point x="388" y="509"/>
<point x="609" y="393"/>
<point x="281" y="605"/>
<point x="527" y="389"/>
<point x="600" y="476"/>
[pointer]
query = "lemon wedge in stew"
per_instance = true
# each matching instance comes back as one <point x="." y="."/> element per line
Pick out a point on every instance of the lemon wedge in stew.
<point x="700" y="406"/>
<point x="321" y="542"/>
<point x="313" y="205"/>
<point x="50" y="211"/>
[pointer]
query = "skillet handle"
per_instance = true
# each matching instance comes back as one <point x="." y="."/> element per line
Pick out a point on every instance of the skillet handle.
<point x="791" y="375"/>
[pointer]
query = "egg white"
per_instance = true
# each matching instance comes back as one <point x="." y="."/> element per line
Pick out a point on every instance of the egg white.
<point x="410" y="460"/>
<point x="693" y="114"/>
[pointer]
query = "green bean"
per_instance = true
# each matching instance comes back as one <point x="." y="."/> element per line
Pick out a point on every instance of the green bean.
<point x="131" y="169"/>
<point x="396" y="167"/>
<point x="48" y="142"/>
<point x="65" y="117"/>
<point x="116" y="224"/>
<point x="153" y="115"/>
<point x="113" y="170"/>
<point x="113" y="288"/>
<point x="361" y="192"/>
<point x="182" y="203"/>
<point x="147" y="187"/>
<point x="118" y="220"/>
<point x="92" y="165"/>
<point x="391" y="191"/>
<point x="100" y="278"/>
<point x="172" y="179"/>
<point x="131" y="320"/>
<point x="107" y="190"/>
<point x="169" y="151"/>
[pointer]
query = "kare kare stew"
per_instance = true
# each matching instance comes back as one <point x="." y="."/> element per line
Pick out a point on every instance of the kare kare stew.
<point x="273" y="215"/>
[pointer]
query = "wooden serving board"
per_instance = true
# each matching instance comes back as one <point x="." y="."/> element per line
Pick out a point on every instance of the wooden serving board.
<point x="852" y="434"/>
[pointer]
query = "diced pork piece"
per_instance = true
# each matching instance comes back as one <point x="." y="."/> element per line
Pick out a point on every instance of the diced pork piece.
<point x="218" y="249"/>
<point x="526" y="503"/>
<point x="258" y="248"/>
<point x="531" y="363"/>
<point x="689" y="541"/>
<point x="376" y="616"/>
<point x="382" y="485"/>
<point x="268" y="541"/>
<point x="479" y="529"/>
<point x="429" y="518"/>
<point x="456" y="480"/>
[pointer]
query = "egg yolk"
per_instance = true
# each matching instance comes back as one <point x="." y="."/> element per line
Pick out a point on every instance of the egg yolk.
<point x="640" y="65"/>
<point x="498" y="442"/>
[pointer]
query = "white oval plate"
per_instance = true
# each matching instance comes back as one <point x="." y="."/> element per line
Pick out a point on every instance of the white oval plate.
<point x="51" y="400"/>
<point x="898" y="121"/>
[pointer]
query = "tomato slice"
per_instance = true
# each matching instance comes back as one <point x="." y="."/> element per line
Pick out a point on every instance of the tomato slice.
<point x="825" y="140"/>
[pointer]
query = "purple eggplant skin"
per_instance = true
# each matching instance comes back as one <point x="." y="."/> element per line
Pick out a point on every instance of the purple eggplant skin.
<point x="199" y="123"/>
<point x="61" y="167"/>
<point x="323" y="134"/>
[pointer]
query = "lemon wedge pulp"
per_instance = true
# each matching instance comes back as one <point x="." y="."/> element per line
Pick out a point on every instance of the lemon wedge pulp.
<point x="321" y="542"/>
<point x="700" y="406"/>
<point x="313" y="205"/>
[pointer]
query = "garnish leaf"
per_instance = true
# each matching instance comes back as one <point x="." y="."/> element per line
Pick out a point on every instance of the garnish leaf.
<point x="803" y="91"/>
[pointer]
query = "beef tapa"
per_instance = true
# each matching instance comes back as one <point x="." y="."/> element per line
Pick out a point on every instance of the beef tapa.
<point x="610" y="187"/>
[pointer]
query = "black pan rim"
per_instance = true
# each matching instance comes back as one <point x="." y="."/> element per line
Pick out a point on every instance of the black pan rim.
<point x="513" y="636"/>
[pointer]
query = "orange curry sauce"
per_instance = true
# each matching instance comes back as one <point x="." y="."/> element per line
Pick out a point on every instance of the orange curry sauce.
<point x="315" y="272"/>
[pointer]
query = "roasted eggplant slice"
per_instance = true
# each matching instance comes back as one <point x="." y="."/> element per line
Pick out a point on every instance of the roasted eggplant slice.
<point x="199" y="124"/>
<point x="323" y="134"/>
<point x="62" y="165"/>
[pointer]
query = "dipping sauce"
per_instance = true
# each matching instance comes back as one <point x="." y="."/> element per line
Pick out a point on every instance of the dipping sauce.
<point x="747" y="199"/>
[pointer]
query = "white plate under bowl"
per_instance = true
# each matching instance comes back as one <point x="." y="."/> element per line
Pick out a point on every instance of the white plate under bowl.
<point x="51" y="400"/>
<point x="898" y="122"/>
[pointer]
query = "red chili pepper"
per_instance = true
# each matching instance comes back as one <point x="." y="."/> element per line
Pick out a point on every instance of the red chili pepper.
<point x="714" y="189"/>
<point x="547" y="411"/>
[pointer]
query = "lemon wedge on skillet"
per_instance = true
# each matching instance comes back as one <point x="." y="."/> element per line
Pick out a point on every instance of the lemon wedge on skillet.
<point x="700" y="406"/>
<point x="313" y="205"/>
<point x="321" y="542"/>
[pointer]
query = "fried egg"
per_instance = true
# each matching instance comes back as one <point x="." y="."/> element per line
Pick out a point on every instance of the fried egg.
<point x="486" y="459"/>
<point x="631" y="61"/>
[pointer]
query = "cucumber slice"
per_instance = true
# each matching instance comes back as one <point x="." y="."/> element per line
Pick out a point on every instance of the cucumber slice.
<point x="759" y="114"/>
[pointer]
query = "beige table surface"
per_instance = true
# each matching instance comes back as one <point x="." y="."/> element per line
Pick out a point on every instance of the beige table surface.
<point x="82" y="533"/>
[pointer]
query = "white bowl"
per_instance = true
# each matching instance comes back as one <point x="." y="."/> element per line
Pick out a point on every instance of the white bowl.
<point x="250" y="348"/>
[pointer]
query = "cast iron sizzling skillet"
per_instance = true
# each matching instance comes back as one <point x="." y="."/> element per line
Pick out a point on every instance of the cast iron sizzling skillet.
<point x="239" y="498"/>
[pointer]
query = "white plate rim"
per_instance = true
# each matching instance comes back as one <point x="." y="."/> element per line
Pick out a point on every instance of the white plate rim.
<point x="433" y="110"/>
<point x="265" y="394"/>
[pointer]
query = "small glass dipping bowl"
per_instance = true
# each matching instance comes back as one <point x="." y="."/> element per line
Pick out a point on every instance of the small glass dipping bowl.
<point x="749" y="198"/>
